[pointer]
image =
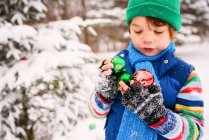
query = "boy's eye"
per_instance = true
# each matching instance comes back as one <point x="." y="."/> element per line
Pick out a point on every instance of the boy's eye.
<point x="138" y="32"/>
<point x="158" y="32"/>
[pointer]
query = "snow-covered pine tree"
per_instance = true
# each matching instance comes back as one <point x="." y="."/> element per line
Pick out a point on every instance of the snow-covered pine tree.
<point x="20" y="11"/>
<point x="15" y="44"/>
<point x="46" y="91"/>
<point x="46" y="75"/>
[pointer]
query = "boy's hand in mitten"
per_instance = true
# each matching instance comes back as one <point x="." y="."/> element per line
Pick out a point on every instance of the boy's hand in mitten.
<point x="107" y="83"/>
<point x="145" y="102"/>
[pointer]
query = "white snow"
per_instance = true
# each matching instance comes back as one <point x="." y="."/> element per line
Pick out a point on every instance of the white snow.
<point x="91" y="129"/>
<point x="115" y="12"/>
<point x="18" y="17"/>
<point x="37" y="5"/>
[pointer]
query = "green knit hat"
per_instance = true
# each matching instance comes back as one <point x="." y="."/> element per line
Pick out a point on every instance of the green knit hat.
<point x="166" y="10"/>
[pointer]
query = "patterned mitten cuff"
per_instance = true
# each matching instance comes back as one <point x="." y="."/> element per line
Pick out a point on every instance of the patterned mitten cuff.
<point x="107" y="87"/>
<point x="147" y="103"/>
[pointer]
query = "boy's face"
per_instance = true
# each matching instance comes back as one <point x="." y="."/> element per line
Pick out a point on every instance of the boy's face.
<point x="148" y="39"/>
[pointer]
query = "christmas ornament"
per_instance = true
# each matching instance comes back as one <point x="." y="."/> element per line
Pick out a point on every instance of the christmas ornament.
<point x="119" y="69"/>
<point x="119" y="64"/>
<point x="144" y="78"/>
<point x="125" y="77"/>
<point x="92" y="126"/>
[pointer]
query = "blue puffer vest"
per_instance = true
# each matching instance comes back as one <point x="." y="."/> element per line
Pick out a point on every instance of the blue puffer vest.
<point x="171" y="72"/>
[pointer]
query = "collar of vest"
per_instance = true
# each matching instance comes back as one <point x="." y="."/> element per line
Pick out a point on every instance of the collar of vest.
<point x="164" y="63"/>
<point x="161" y="65"/>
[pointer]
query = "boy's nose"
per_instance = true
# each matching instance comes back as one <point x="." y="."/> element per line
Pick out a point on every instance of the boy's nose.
<point x="147" y="39"/>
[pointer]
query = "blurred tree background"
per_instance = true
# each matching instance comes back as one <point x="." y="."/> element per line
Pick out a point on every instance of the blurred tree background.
<point x="108" y="31"/>
<point x="113" y="34"/>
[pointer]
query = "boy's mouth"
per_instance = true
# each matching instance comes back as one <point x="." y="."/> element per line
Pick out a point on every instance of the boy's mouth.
<point x="148" y="49"/>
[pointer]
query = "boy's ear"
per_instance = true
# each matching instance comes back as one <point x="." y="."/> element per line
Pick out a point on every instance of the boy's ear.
<point x="174" y="35"/>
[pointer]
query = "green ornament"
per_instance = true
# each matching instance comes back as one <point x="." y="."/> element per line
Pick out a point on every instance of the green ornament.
<point x="119" y="64"/>
<point x="125" y="77"/>
<point x="92" y="126"/>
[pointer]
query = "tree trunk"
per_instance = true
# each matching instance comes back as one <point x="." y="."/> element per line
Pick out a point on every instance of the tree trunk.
<point x="83" y="5"/>
<point x="66" y="9"/>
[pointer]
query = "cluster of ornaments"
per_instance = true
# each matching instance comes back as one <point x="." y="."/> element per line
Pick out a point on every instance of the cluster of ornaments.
<point x="143" y="77"/>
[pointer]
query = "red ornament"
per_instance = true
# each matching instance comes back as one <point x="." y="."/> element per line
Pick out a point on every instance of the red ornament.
<point x="144" y="78"/>
<point x="24" y="58"/>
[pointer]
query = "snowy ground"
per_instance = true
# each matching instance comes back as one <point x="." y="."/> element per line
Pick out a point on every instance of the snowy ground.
<point x="196" y="54"/>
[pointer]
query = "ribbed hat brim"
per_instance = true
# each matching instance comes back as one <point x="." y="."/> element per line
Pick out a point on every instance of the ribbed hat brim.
<point x="155" y="10"/>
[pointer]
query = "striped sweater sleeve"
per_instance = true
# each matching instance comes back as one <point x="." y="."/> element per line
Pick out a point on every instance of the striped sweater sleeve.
<point x="186" y="122"/>
<point x="98" y="107"/>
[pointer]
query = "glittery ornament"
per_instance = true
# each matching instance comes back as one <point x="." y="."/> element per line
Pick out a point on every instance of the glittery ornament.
<point x="125" y="77"/>
<point x="119" y="64"/>
<point x="144" y="78"/>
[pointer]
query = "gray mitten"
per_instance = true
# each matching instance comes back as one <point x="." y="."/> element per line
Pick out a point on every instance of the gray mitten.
<point x="147" y="103"/>
<point x="107" y="87"/>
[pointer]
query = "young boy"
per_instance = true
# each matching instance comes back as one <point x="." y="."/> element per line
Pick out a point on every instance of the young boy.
<point x="163" y="99"/>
